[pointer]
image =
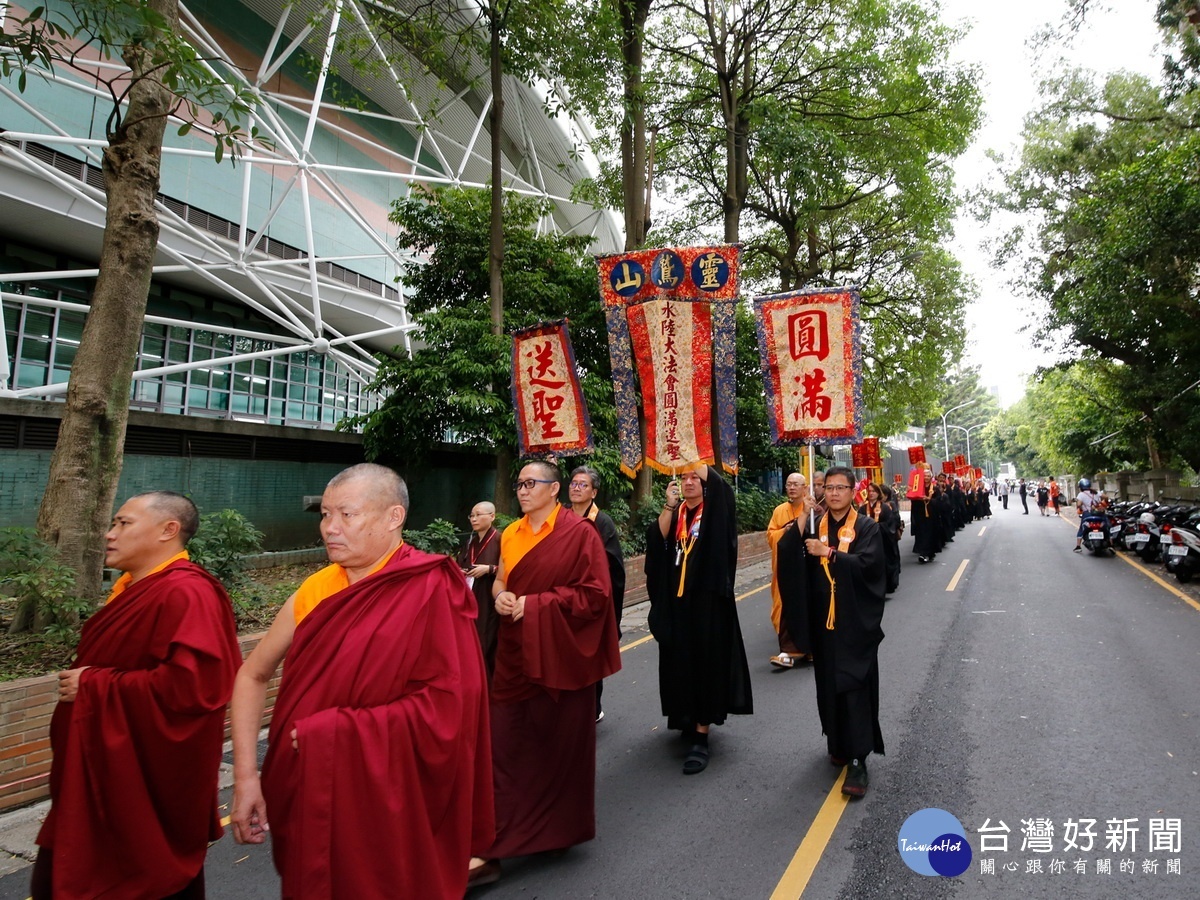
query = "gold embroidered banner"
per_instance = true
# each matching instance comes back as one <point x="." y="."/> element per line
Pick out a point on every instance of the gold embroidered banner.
<point x="812" y="365"/>
<point x="671" y="313"/>
<point x="672" y="343"/>
<point x="552" y="417"/>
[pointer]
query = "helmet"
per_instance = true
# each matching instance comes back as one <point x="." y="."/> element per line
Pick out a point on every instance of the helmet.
<point x="1146" y="518"/>
<point x="1085" y="484"/>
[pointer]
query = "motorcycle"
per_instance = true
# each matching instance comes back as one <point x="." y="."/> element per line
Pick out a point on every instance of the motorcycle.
<point x="1183" y="553"/>
<point x="1096" y="537"/>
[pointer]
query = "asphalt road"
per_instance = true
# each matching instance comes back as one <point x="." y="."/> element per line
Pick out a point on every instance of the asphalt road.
<point x="1047" y="686"/>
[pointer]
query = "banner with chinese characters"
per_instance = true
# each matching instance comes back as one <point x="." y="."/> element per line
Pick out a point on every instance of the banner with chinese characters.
<point x="811" y="354"/>
<point x="948" y="466"/>
<point x="866" y="454"/>
<point x="670" y="314"/>
<point x="916" y="454"/>
<point x="552" y="417"/>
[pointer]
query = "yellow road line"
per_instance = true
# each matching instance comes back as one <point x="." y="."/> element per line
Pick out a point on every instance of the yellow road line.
<point x="650" y="637"/>
<point x="1170" y="587"/>
<point x="962" y="567"/>
<point x="225" y="821"/>
<point x="799" y="871"/>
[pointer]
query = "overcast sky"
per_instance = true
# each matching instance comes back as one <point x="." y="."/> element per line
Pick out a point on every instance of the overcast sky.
<point x="1119" y="35"/>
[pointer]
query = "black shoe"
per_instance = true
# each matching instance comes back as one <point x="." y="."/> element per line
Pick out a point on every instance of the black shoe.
<point x="697" y="759"/>
<point x="855" y="784"/>
<point x="1078" y="549"/>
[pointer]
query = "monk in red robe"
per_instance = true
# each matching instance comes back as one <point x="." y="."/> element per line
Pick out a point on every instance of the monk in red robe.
<point x="378" y="771"/>
<point x="138" y="729"/>
<point x="558" y="637"/>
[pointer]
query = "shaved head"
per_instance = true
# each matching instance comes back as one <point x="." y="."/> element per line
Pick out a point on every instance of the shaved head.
<point x="386" y="486"/>
<point x="173" y="507"/>
<point x="484" y="507"/>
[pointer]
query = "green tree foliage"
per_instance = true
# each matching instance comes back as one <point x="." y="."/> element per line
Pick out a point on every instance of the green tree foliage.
<point x="31" y="574"/>
<point x="954" y="388"/>
<point x="821" y="135"/>
<point x="1109" y="194"/>
<point x="164" y="76"/>
<point x="222" y="540"/>
<point x="458" y="380"/>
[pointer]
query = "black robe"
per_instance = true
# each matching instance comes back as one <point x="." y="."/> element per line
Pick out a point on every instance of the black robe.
<point x="703" y="675"/>
<point x="889" y="527"/>
<point x="845" y="659"/>
<point x="925" y="528"/>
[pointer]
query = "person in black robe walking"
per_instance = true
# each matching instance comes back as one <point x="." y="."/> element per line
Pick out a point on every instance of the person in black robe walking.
<point x="832" y="584"/>
<point x="1024" y="492"/>
<point x="882" y="512"/>
<point x="691" y="560"/>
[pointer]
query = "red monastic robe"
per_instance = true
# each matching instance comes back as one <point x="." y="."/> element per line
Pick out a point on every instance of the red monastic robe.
<point x="390" y="792"/>
<point x="543" y="699"/>
<point x="134" y="779"/>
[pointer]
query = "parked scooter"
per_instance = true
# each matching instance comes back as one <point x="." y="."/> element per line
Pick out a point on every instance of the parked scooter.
<point x="1183" y="553"/>
<point x="1096" y="537"/>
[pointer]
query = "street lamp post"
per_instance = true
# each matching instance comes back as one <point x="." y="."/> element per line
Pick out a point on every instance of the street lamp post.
<point x="967" y="431"/>
<point x="945" y="435"/>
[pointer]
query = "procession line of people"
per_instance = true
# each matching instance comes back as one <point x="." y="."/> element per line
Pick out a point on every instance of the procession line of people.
<point x="434" y="716"/>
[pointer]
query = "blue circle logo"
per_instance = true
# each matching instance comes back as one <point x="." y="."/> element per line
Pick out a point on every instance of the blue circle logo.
<point x="933" y="842"/>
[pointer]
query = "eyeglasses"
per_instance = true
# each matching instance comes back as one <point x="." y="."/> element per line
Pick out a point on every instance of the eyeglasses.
<point x="837" y="487"/>
<point x="580" y="484"/>
<point x="528" y="483"/>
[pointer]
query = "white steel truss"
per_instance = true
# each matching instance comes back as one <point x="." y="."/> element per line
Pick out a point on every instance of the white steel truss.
<point x="313" y="295"/>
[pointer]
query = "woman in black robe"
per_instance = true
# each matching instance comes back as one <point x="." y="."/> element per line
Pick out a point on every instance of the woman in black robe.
<point x="885" y="514"/>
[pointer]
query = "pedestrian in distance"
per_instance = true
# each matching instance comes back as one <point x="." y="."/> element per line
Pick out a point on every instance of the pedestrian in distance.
<point x="1043" y="497"/>
<point x="785" y="516"/>
<point x="383" y="675"/>
<point x="833" y="583"/>
<point x="1023" y="492"/>
<point x="1055" y="495"/>
<point x="1004" y="493"/>
<point x="691" y="561"/>
<point x="140" y="720"/>
<point x="558" y="638"/>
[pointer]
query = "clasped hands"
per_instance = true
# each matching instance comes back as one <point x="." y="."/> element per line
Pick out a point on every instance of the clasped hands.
<point x="509" y="604"/>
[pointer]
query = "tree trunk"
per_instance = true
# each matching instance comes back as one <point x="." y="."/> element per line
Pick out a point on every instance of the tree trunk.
<point x="496" y="123"/>
<point x="86" y="464"/>
<point x="636" y="182"/>
<point x="502" y="492"/>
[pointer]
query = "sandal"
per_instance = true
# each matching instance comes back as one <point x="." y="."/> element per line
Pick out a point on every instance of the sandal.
<point x="783" y="661"/>
<point x="697" y="760"/>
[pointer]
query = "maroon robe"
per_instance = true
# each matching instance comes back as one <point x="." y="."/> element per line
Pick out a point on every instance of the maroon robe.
<point x="543" y="699"/>
<point x="390" y="792"/>
<point x="134" y="779"/>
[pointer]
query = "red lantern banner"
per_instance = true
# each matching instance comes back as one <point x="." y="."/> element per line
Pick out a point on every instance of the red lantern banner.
<point x="947" y="467"/>
<point x="811" y="351"/>
<point x="866" y="454"/>
<point x="552" y="417"/>
<point x="916" y="454"/>
<point x="960" y="461"/>
<point x="671" y="314"/>
<point x="918" y="483"/>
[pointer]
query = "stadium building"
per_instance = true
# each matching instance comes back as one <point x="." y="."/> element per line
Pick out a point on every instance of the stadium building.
<point x="276" y="277"/>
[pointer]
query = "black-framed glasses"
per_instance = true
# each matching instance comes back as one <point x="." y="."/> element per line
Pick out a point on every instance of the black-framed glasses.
<point x="580" y="484"/>
<point x="838" y="487"/>
<point x="528" y="483"/>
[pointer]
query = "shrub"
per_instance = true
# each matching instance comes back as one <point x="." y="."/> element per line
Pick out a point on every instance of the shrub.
<point x="754" y="508"/>
<point x="31" y="573"/>
<point x="439" y="536"/>
<point x="220" y="543"/>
